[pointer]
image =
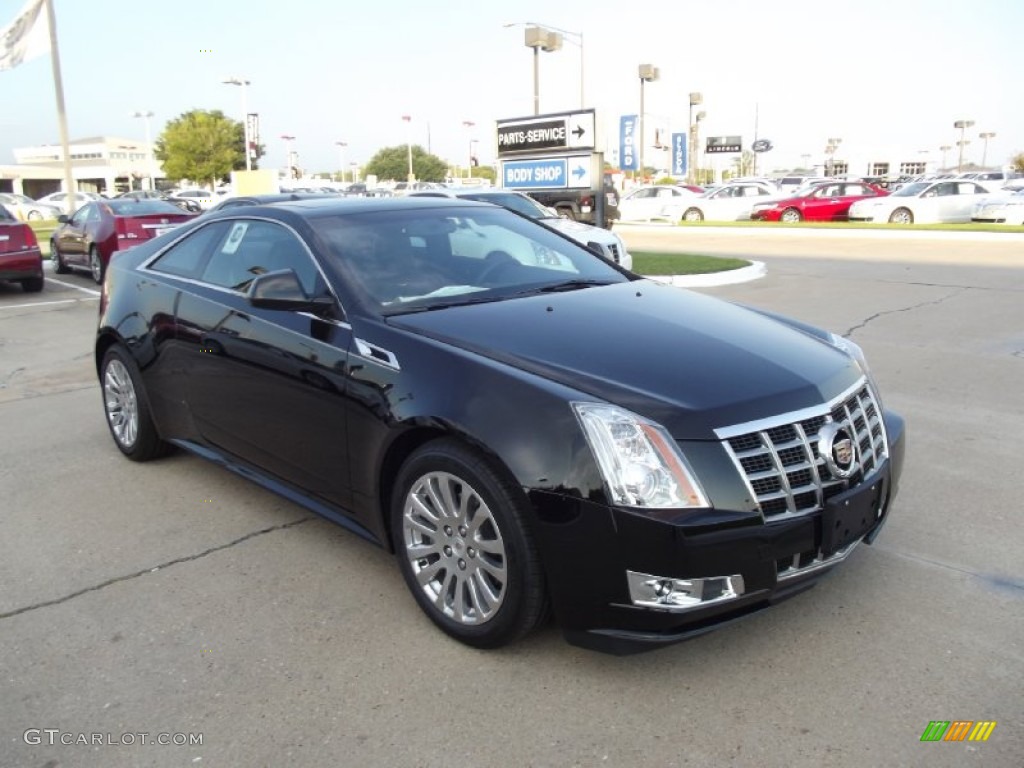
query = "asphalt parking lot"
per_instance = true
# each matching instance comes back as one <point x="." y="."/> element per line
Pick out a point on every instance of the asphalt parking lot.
<point x="175" y="598"/>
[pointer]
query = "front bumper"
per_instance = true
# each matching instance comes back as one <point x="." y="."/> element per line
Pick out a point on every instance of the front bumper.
<point x="624" y="581"/>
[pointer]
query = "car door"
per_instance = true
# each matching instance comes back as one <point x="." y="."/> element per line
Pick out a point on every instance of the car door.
<point x="957" y="208"/>
<point x="821" y="203"/>
<point x="637" y="205"/>
<point x="73" y="236"/>
<point x="267" y="386"/>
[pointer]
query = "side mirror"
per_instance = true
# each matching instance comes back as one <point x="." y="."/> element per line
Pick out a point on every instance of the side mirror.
<point x="281" y="290"/>
<point x="63" y="218"/>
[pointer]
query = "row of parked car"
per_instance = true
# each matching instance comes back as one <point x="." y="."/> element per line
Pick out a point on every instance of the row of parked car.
<point x="942" y="199"/>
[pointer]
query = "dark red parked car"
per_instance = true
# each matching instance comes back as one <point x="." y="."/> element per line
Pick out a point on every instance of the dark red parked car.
<point x="20" y="259"/>
<point x="827" y="201"/>
<point x="89" y="237"/>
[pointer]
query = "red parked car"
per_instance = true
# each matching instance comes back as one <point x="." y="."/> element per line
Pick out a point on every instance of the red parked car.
<point x="88" y="238"/>
<point x="827" y="201"/>
<point x="20" y="258"/>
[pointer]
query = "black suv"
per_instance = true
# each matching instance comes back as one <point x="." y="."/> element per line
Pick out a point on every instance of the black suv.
<point x="581" y="204"/>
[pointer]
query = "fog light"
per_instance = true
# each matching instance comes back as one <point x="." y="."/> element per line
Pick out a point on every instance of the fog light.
<point x="670" y="594"/>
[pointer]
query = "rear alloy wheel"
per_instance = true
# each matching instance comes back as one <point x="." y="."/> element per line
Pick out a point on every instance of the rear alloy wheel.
<point x="901" y="216"/>
<point x="693" y="214"/>
<point x="96" y="265"/>
<point x="127" y="408"/>
<point x="34" y="216"/>
<point x="58" y="261"/>
<point x="790" y="215"/>
<point x="32" y="284"/>
<point x="460" y="534"/>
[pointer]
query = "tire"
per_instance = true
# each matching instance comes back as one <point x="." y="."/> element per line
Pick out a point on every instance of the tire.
<point x="59" y="266"/>
<point x="460" y="534"/>
<point x="96" y="267"/>
<point x="34" y="216"/>
<point x="32" y="284"/>
<point x="791" y="215"/>
<point x="901" y="216"/>
<point x="693" y="214"/>
<point x="127" y="408"/>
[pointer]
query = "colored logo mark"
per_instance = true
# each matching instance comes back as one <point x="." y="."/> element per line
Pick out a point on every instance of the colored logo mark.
<point x="958" y="730"/>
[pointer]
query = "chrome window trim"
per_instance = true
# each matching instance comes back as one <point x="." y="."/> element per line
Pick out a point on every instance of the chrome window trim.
<point x="147" y="265"/>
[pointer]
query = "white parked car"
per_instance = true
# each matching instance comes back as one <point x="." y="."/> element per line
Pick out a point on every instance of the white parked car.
<point x="202" y="197"/>
<point x="655" y="202"/>
<point x="59" y="199"/>
<point x="923" y="202"/>
<point x="24" y="208"/>
<point x="733" y="202"/>
<point x="1004" y="208"/>
<point x="611" y="245"/>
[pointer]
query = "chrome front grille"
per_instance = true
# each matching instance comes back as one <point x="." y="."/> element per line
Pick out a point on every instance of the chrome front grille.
<point x="779" y="461"/>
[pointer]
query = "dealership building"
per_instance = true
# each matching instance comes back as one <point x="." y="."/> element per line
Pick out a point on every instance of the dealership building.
<point x="99" y="164"/>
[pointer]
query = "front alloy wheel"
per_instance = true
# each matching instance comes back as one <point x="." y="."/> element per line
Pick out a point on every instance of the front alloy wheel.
<point x="693" y="214"/>
<point x="459" y="527"/>
<point x="455" y="548"/>
<point x="901" y="216"/>
<point x="790" y="215"/>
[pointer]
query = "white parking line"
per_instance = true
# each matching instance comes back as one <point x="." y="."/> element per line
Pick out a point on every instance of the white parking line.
<point x="90" y="291"/>
<point x="45" y="303"/>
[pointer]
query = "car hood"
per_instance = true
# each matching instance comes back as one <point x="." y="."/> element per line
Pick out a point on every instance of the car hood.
<point x="687" y="361"/>
<point x="579" y="231"/>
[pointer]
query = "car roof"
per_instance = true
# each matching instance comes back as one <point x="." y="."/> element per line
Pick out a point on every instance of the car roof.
<point x="317" y="206"/>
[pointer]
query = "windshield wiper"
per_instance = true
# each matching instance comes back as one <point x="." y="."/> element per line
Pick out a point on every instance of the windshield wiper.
<point x="444" y="305"/>
<point x="569" y="285"/>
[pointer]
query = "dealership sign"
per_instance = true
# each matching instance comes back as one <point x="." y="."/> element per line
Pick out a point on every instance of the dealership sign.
<point x="628" y="157"/>
<point x="678" y="154"/>
<point x="724" y="144"/>
<point x="761" y="145"/>
<point x="546" y="133"/>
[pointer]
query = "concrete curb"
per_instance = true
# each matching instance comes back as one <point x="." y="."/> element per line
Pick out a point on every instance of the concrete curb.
<point x="755" y="271"/>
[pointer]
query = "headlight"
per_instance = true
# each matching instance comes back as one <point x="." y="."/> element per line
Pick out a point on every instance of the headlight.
<point x="639" y="461"/>
<point x="853" y="349"/>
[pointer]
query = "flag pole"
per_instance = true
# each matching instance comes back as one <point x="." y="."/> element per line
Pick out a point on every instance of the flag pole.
<point x="62" y="119"/>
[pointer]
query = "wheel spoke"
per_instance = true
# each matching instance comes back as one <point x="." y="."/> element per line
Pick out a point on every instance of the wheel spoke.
<point x="426" y="575"/>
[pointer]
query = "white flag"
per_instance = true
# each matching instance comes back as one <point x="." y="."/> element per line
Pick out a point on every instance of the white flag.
<point x="25" y="38"/>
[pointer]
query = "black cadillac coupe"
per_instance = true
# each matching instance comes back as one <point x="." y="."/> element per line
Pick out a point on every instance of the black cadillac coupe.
<point x="526" y="425"/>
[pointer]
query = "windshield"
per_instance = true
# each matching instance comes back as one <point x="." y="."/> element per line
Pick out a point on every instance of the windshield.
<point x="129" y="207"/>
<point x="430" y="258"/>
<point x="912" y="190"/>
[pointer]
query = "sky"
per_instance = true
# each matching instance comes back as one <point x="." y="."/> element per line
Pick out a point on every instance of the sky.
<point x="884" y="75"/>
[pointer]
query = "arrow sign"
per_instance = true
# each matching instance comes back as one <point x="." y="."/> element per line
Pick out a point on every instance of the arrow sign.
<point x="579" y="172"/>
<point x="546" y="133"/>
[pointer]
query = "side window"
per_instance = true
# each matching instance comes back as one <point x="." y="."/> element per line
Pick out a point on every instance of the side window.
<point x="248" y="248"/>
<point x="186" y="257"/>
<point x="81" y="216"/>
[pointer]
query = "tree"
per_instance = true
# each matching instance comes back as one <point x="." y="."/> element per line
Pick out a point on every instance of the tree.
<point x="201" y="145"/>
<point x="393" y="163"/>
<point x="1018" y="162"/>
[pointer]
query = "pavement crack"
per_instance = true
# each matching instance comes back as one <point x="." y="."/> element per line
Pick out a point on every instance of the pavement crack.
<point x="1011" y="585"/>
<point x="911" y="308"/>
<point x="153" y="569"/>
<point x="7" y="379"/>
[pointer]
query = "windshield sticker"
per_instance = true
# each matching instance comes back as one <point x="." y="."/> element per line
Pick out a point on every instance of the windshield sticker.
<point x="235" y="238"/>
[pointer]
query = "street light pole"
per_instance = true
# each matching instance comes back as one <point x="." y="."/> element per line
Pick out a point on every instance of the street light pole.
<point x="985" y="136"/>
<point x="963" y="125"/>
<point x="549" y="38"/>
<point x="241" y="81"/>
<point x="468" y="124"/>
<point x="648" y="74"/>
<point x="149" y="147"/>
<point x="288" y="151"/>
<point x="696" y="99"/>
<point x="408" y="144"/>
<point x="341" y="157"/>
